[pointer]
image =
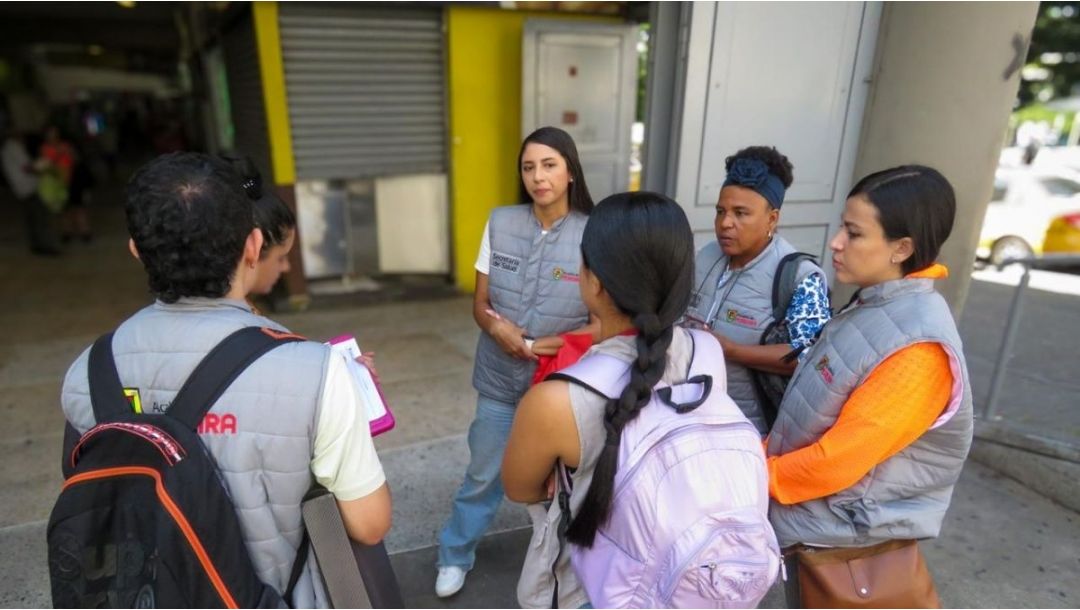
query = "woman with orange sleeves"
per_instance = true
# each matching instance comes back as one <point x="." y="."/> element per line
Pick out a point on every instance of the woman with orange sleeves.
<point x="877" y="421"/>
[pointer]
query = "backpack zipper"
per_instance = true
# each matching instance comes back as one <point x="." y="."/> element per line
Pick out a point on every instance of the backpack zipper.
<point x="174" y="512"/>
<point x="171" y="450"/>
<point x="669" y="587"/>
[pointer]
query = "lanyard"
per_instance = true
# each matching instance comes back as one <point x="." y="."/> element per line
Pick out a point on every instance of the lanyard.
<point x="717" y="305"/>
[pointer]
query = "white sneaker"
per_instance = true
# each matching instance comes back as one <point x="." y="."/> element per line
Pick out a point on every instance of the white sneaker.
<point x="450" y="580"/>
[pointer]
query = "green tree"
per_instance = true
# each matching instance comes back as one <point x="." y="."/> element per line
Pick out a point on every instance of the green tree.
<point x="1054" y="54"/>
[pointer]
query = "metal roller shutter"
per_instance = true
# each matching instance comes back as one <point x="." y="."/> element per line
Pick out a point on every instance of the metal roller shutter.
<point x="245" y="94"/>
<point x="366" y="89"/>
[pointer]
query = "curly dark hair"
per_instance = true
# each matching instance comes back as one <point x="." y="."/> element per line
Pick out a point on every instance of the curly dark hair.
<point x="779" y="165"/>
<point x="189" y="218"/>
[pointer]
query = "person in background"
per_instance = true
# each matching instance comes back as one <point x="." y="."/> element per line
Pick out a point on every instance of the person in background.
<point x="877" y="421"/>
<point x="734" y="279"/>
<point x="526" y="287"/>
<point x="75" y="219"/>
<point x="21" y="173"/>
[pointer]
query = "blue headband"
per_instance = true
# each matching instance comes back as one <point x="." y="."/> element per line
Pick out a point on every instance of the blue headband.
<point x="754" y="174"/>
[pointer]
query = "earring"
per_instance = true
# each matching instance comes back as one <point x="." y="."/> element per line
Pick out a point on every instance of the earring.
<point x="251" y="265"/>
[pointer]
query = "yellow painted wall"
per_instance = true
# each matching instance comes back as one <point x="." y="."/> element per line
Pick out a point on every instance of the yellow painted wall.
<point x="484" y="63"/>
<point x="271" y="67"/>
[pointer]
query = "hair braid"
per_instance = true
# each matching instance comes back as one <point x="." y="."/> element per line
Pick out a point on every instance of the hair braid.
<point x="652" y="284"/>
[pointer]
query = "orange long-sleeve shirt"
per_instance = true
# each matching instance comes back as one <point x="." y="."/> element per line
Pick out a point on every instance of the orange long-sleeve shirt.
<point x="897" y="404"/>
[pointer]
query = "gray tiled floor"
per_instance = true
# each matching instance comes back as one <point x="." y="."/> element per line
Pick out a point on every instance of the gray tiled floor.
<point x="1002" y="545"/>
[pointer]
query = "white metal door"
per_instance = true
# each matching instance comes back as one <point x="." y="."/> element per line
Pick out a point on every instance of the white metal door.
<point x="785" y="74"/>
<point x="581" y="77"/>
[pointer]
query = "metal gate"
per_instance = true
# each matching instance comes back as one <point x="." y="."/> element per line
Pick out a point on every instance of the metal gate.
<point x="246" y="94"/>
<point x="366" y="89"/>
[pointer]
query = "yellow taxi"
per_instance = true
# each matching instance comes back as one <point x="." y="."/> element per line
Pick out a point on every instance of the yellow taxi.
<point x="1032" y="211"/>
<point x="1063" y="235"/>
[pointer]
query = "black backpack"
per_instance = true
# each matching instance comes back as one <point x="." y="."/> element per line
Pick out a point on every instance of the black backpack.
<point x="144" y="518"/>
<point x="770" y="387"/>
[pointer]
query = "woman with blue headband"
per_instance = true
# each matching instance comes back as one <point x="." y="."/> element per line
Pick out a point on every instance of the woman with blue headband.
<point x="761" y="298"/>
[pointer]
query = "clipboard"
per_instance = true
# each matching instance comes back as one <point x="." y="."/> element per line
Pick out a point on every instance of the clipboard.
<point x="380" y="418"/>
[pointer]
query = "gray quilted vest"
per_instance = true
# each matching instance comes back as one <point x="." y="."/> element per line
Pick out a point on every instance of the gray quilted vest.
<point x="906" y="496"/>
<point x="741" y="309"/>
<point x="261" y="431"/>
<point x="533" y="282"/>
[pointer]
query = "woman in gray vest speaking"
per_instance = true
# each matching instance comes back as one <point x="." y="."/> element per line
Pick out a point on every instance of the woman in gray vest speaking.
<point x="526" y="287"/>
<point x="734" y="292"/>
<point x="877" y="421"/>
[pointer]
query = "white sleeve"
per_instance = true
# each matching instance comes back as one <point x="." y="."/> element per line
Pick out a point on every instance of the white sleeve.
<point x="344" y="459"/>
<point x="483" y="261"/>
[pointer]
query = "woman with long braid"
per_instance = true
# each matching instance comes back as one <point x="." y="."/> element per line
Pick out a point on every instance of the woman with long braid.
<point x="636" y="275"/>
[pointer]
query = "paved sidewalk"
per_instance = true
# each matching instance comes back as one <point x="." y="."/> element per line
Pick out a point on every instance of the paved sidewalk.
<point x="1003" y="545"/>
<point x="1042" y="381"/>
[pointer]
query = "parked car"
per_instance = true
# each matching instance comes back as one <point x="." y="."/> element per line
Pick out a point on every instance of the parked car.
<point x="1031" y="212"/>
<point x="1063" y="236"/>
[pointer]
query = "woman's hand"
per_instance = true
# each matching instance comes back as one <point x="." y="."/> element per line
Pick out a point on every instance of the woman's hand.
<point x="368" y="360"/>
<point x="726" y="344"/>
<point x="547" y="346"/>
<point x="511" y="339"/>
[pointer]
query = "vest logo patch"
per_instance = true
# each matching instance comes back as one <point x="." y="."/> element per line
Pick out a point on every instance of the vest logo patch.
<point x="565" y="276"/>
<point x="505" y="262"/>
<point x="734" y="317"/>
<point x="826" y="371"/>
<point x="217" y="424"/>
<point x="133" y="398"/>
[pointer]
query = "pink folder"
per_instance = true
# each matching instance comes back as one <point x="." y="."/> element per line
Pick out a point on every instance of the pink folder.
<point x="380" y="418"/>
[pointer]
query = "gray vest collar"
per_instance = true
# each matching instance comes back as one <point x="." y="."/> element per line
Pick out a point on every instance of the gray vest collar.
<point x="203" y="303"/>
<point x="555" y="226"/>
<point x="774" y="243"/>
<point x="892" y="289"/>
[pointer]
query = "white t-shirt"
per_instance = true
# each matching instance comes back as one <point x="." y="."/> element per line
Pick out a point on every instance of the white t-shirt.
<point x="344" y="459"/>
<point x="15" y="160"/>
<point x="483" y="260"/>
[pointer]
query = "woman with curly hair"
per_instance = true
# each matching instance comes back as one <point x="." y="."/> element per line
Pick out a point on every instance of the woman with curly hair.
<point x="734" y="283"/>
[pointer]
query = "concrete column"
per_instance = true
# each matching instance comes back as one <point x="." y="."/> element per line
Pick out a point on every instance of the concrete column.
<point x="946" y="75"/>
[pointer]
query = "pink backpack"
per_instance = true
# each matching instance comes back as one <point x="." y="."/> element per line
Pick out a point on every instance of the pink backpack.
<point x="689" y="525"/>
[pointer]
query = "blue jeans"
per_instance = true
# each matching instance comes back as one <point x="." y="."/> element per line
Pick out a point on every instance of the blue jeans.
<point x="481" y="492"/>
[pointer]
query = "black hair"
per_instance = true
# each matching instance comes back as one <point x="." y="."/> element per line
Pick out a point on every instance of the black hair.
<point x="189" y="218"/>
<point x="579" y="197"/>
<point x="778" y="164"/>
<point x="273" y="217"/>
<point x="641" y="248"/>
<point x="912" y="201"/>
